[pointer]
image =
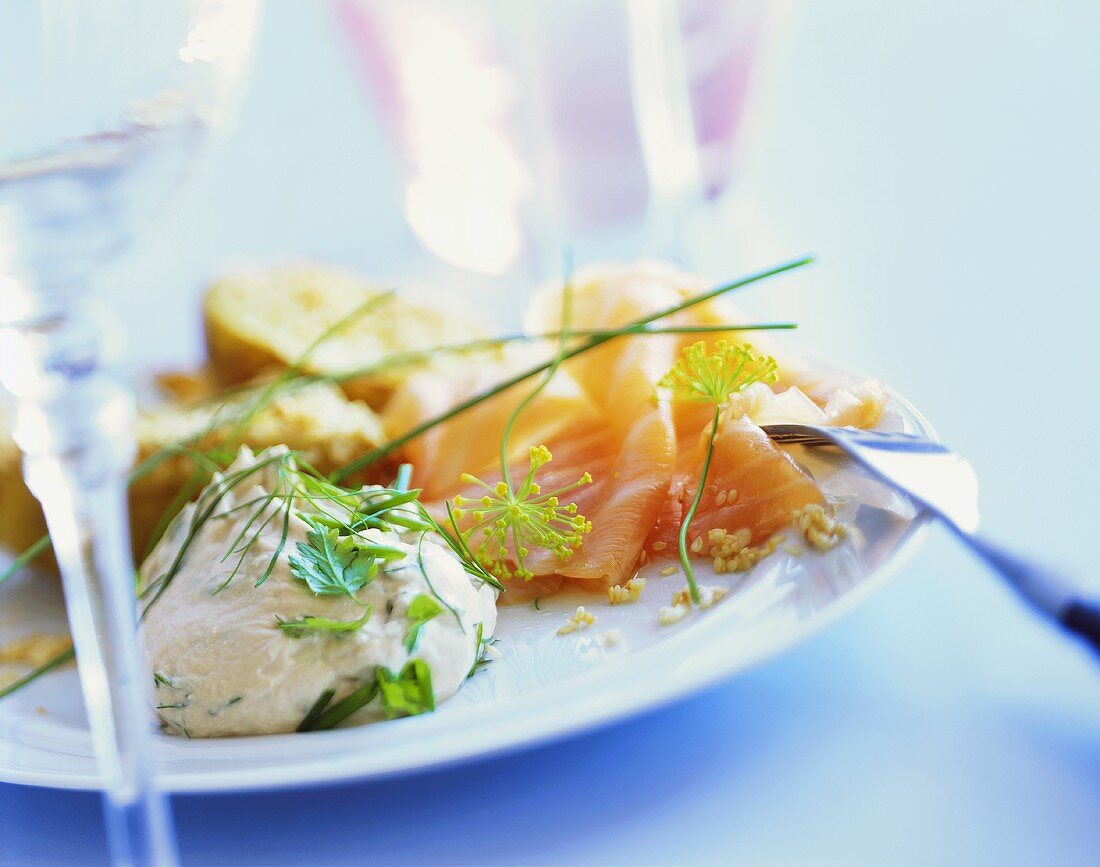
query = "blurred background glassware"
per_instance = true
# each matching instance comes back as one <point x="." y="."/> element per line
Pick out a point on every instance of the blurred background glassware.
<point x="526" y="128"/>
<point x="102" y="108"/>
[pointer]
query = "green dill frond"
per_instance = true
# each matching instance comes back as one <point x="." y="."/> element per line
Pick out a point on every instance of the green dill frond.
<point x="480" y="644"/>
<point x="206" y="507"/>
<point x="426" y="575"/>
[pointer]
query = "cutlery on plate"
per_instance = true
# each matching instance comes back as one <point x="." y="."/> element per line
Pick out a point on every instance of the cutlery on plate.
<point x="944" y="483"/>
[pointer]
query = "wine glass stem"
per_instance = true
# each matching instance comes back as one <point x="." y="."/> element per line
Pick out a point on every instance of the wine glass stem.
<point x="74" y="424"/>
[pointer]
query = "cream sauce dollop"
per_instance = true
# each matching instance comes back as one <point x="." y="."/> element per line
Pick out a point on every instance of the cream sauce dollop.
<point x="222" y="665"/>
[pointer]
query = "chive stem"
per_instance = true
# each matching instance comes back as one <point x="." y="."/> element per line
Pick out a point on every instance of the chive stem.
<point x="50" y="664"/>
<point x="638" y="325"/>
<point x="316" y="710"/>
<point x="413" y="356"/>
<point x="344" y="708"/>
<point x="39" y="546"/>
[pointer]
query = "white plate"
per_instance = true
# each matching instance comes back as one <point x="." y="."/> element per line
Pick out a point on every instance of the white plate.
<point x="544" y="687"/>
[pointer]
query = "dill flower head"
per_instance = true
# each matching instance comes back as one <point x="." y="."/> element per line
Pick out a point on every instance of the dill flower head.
<point x="511" y="520"/>
<point x="713" y="376"/>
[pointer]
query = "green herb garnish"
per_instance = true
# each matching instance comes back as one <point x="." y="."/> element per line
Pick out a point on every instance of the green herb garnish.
<point x="409" y="692"/>
<point x="162" y="679"/>
<point x="354" y="701"/>
<point x="207" y="507"/>
<point x="314" y="713"/>
<point x="310" y="623"/>
<point x="510" y="519"/>
<point x="345" y="707"/>
<point x="33" y="551"/>
<point x="335" y="565"/>
<point x="49" y="665"/>
<point x="480" y="643"/>
<point x="637" y="327"/>
<point x="421" y="610"/>
<point x="255" y="398"/>
<point x="428" y="580"/>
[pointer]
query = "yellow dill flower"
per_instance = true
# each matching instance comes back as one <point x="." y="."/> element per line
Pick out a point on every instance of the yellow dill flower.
<point x="713" y="376"/>
<point x="510" y="521"/>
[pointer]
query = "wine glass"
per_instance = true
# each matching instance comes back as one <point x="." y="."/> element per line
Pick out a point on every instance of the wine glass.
<point x="522" y="129"/>
<point x="103" y="107"/>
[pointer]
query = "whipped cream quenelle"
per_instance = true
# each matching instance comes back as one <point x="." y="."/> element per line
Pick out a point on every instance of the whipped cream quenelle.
<point x="223" y="665"/>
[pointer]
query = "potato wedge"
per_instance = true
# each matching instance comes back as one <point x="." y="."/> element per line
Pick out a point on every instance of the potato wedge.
<point x="266" y="318"/>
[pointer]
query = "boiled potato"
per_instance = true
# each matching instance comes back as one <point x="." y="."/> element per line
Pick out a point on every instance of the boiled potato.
<point x="317" y="420"/>
<point x="267" y="318"/>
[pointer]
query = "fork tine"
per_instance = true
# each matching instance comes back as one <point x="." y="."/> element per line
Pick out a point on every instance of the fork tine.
<point x="796" y="434"/>
<point x="844" y="437"/>
<point x="796" y="439"/>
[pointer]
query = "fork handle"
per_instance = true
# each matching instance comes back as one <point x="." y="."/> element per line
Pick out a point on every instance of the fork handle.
<point x="1083" y="619"/>
<point x="1045" y="589"/>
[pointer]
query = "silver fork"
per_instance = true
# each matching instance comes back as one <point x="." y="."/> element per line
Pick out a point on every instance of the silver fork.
<point x="945" y="484"/>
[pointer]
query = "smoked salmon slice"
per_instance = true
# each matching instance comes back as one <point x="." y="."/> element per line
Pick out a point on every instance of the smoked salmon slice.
<point x="470" y="443"/>
<point x="604" y="414"/>
<point x="752" y="484"/>
<point x="631" y="463"/>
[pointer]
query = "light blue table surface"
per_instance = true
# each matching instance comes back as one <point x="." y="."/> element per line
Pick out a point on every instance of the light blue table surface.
<point x="943" y="159"/>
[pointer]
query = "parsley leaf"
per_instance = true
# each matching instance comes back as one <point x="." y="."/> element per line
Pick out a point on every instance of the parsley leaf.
<point x="421" y="610"/>
<point x="408" y="693"/>
<point x="335" y="565"/>
<point x="309" y="623"/>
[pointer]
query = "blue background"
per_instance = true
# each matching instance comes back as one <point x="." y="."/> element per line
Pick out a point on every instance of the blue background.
<point x="943" y="159"/>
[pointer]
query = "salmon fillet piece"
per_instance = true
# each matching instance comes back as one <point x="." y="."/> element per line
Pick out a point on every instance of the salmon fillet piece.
<point x="752" y="483"/>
